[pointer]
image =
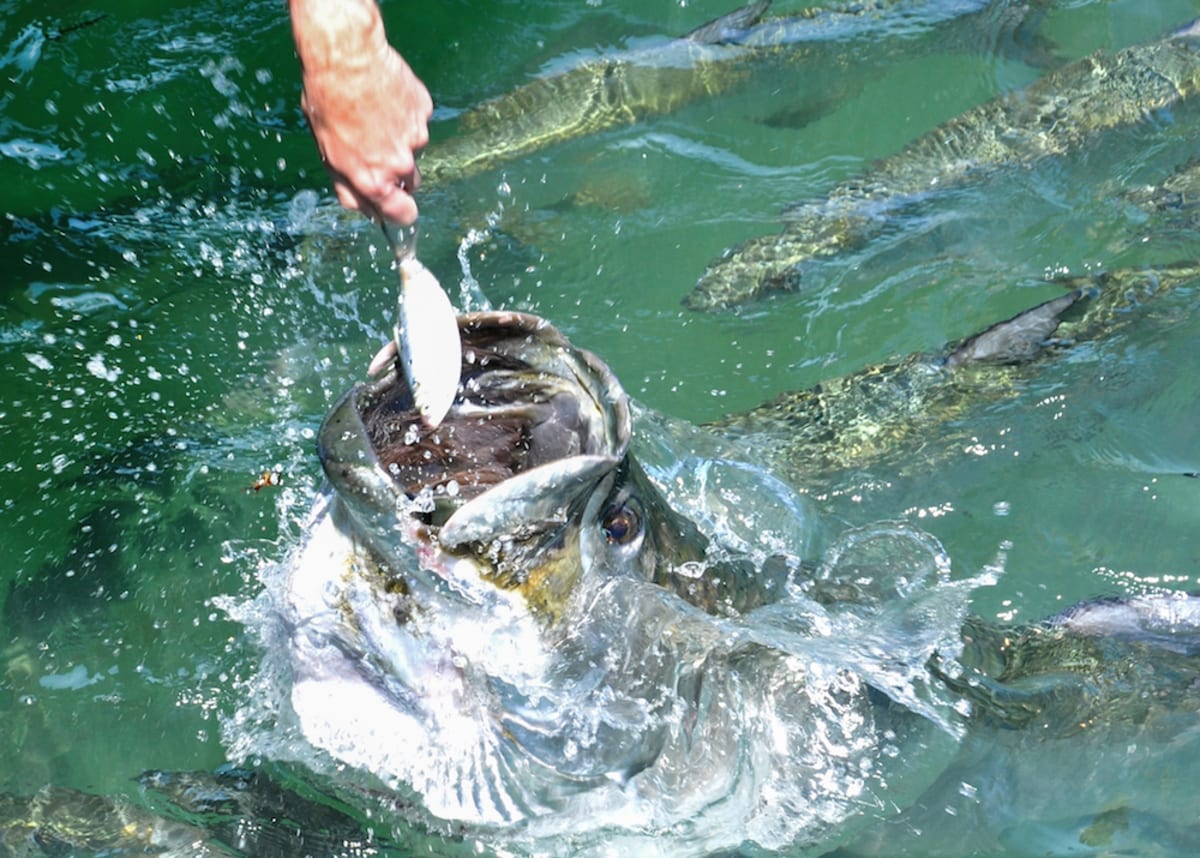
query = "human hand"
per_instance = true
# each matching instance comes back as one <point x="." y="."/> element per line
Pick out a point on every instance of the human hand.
<point x="366" y="108"/>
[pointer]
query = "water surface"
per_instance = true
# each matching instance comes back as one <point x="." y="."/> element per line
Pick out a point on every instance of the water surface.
<point x="180" y="303"/>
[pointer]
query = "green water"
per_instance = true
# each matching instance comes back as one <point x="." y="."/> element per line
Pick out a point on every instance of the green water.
<point x="181" y="303"/>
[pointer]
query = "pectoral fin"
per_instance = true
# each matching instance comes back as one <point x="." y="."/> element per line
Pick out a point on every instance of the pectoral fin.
<point x="813" y="106"/>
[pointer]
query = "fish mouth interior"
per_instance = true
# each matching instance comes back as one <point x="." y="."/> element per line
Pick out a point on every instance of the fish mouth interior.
<point x="525" y="398"/>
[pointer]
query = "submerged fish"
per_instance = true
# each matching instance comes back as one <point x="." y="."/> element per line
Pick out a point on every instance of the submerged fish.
<point x="810" y="436"/>
<point x="1177" y="196"/>
<point x="509" y="620"/>
<point x="1055" y="115"/>
<point x="227" y="812"/>
<point x="625" y="88"/>
<point x="59" y="821"/>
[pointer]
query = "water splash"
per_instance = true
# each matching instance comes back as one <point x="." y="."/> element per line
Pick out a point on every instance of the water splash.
<point x="643" y="720"/>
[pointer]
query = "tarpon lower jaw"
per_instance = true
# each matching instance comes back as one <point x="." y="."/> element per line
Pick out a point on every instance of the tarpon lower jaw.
<point x="535" y="427"/>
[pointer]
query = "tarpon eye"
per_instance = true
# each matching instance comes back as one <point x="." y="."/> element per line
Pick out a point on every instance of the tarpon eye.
<point x="621" y="524"/>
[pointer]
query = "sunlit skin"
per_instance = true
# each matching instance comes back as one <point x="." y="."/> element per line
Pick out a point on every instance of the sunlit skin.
<point x="367" y="110"/>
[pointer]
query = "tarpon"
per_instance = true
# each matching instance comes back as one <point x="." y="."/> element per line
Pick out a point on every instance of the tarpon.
<point x="812" y="435"/>
<point x="625" y="88"/>
<point x="549" y="646"/>
<point x="1057" y="114"/>
<point x="508" y="632"/>
<point x="228" y="812"/>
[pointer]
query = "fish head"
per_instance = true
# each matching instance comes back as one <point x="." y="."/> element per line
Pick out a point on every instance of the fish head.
<point x="527" y="487"/>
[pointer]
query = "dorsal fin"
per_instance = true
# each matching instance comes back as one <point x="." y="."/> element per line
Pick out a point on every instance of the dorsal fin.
<point x="1188" y="31"/>
<point x="720" y="29"/>
<point x="1019" y="338"/>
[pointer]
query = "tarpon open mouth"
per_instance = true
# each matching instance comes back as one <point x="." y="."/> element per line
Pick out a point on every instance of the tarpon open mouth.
<point x="507" y="619"/>
<point x="535" y="425"/>
<point x="448" y="571"/>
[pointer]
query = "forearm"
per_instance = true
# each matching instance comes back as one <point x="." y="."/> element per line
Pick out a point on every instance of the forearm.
<point x="366" y="108"/>
<point x="336" y="34"/>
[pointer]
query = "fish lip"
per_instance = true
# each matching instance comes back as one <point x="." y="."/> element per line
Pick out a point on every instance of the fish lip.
<point x="381" y="495"/>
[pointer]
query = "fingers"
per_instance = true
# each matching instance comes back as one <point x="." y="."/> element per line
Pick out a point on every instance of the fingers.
<point x="399" y="207"/>
<point x="395" y="204"/>
<point x="392" y="201"/>
<point x="348" y="198"/>
<point x="369" y="151"/>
